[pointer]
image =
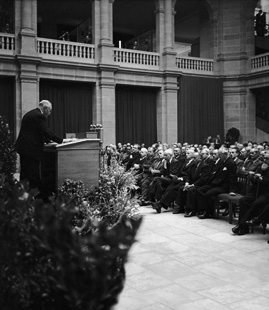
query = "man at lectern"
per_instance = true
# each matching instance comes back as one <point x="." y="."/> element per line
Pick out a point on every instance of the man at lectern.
<point x="29" y="145"/>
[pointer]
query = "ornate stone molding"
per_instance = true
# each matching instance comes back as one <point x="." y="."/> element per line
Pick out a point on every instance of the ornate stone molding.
<point x="28" y="79"/>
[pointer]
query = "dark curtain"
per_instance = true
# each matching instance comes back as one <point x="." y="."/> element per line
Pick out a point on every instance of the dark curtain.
<point x="71" y="106"/>
<point x="200" y="109"/>
<point x="136" y="120"/>
<point x="262" y="108"/>
<point x="7" y="106"/>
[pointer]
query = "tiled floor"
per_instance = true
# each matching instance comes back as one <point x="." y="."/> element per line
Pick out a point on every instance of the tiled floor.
<point x="192" y="264"/>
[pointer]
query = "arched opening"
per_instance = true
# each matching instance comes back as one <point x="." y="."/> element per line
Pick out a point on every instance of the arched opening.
<point x="193" y="33"/>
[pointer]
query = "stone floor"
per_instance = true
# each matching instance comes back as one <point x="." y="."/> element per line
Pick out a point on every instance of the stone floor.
<point x="192" y="264"/>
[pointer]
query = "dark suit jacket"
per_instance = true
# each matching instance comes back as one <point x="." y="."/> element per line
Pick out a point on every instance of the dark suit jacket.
<point x="201" y="173"/>
<point x="131" y="159"/>
<point x="225" y="175"/>
<point x="187" y="170"/>
<point x="33" y="134"/>
<point x="173" y="167"/>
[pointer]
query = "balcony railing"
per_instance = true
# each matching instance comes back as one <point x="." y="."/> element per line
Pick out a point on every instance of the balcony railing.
<point x="260" y="62"/>
<point x="7" y="43"/>
<point x="136" y="59"/>
<point x="195" y="65"/>
<point x="65" y="50"/>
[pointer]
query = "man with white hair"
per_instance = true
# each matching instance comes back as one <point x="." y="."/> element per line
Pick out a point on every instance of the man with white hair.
<point x="171" y="169"/>
<point x="33" y="134"/>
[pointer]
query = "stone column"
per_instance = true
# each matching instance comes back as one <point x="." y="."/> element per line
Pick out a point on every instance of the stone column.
<point x="168" y="53"/>
<point x="27" y="32"/>
<point x="159" y="12"/>
<point x="27" y="91"/>
<point x="105" y="108"/>
<point x="167" y="98"/>
<point x="104" y="95"/>
<point x="96" y="12"/>
<point x="26" y="21"/>
<point x="234" y="49"/>
<point x="168" y="25"/>
<point x="105" y="21"/>
<point x="167" y="109"/>
<point x="105" y="45"/>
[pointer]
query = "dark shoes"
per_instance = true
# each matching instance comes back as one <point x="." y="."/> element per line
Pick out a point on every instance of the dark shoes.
<point x="240" y="230"/>
<point x="243" y="231"/>
<point x="204" y="215"/>
<point x="236" y="229"/>
<point x="157" y="206"/>
<point x="190" y="214"/>
<point x="177" y="209"/>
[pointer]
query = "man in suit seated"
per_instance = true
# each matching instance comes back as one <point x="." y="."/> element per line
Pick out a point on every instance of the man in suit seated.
<point x="223" y="179"/>
<point x="199" y="178"/>
<point x="255" y="200"/>
<point x="133" y="157"/>
<point x="234" y="153"/>
<point x="176" y="183"/>
<point x="171" y="170"/>
<point x="155" y="168"/>
<point x="251" y="163"/>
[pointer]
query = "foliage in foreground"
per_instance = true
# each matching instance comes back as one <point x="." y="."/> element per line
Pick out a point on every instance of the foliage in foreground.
<point x="105" y="204"/>
<point x="46" y="264"/>
<point x="7" y="152"/>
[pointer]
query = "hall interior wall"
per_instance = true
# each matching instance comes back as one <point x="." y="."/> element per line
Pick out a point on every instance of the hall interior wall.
<point x="231" y="53"/>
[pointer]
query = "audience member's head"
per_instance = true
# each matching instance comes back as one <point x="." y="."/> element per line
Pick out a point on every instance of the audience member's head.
<point x="143" y="152"/>
<point x="254" y="153"/>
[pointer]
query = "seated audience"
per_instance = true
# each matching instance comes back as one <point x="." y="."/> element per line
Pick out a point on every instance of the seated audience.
<point x="171" y="169"/>
<point x="222" y="180"/>
<point x="154" y="168"/>
<point x="199" y="178"/>
<point x="175" y="182"/>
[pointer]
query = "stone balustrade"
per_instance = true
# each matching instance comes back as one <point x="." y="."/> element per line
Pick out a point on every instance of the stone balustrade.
<point x="260" y="62"/>
<point x="74" y="51"/>
<point x="136" y="58"/>
<point x="7" y="43"/>
<point x="198" y="65"/>
<point x="58" y="49"/>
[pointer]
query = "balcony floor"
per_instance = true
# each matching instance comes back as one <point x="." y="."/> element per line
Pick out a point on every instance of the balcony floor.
<point x="188" y="263"/>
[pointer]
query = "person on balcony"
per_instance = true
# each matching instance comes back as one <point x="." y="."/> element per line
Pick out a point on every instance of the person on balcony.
<point x="260" y="26"/>
<point x="7" y="28"/>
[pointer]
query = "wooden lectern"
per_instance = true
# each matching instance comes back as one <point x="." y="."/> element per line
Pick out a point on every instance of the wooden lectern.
<point x="76" y="160"/>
